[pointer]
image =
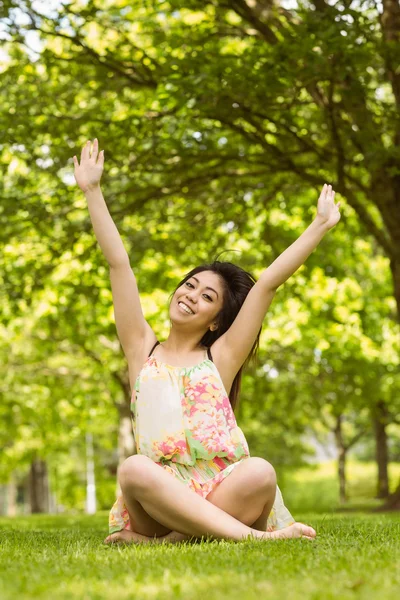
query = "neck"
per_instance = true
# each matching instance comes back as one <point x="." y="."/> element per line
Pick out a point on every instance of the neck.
<point x="182" y="342"/>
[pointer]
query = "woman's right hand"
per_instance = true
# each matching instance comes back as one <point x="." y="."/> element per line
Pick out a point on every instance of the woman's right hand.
<point x="88" y="173"/>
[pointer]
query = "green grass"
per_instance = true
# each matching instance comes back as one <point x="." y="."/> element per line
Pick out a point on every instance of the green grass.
<point x="316" y="489"/>
<point x="356" y="555"/>
<point x="59" y="557"/>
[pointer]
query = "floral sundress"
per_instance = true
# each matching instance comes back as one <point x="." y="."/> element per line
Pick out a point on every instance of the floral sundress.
<point x="183" y="420"/>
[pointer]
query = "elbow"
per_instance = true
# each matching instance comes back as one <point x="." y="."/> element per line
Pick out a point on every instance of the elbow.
<point x="269" y="284"/>
<point x="119" y="261"/>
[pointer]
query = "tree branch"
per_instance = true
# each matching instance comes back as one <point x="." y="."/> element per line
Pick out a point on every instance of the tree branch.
<point x="112" y="65"/>
<point x="340" y="156"/>
<point x="390" y="23"/>
<point x="244" y="11"/>
<point x="379" y="234"/>
<point x="355" y="439"/>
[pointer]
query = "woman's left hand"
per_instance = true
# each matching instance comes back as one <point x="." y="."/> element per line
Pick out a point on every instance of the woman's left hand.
<point x="327" y="211"/>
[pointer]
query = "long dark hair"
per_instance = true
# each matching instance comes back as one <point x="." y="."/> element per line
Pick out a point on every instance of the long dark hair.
<point x="236" y="284"/>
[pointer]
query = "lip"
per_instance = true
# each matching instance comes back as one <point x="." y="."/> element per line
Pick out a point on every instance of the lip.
<point x="192" y="313"/>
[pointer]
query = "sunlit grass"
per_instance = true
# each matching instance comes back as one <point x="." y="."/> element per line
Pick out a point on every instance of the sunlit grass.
<point x="316" y="488"/>
<point x="356" y="555"/>
<point x="47" y="557"/>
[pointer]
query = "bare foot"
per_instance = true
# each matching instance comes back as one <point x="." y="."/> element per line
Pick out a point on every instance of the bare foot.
<point x="174" y="537"/>
<point x="297" y="530"/>
<point x="131" y="537"/>
<point x="127" y="537"/>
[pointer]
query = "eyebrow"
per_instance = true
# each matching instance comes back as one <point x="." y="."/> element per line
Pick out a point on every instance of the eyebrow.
<point x="207" y="288"/>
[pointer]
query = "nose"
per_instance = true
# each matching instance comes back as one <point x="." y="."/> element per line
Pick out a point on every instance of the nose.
<point x="191" y="298"/>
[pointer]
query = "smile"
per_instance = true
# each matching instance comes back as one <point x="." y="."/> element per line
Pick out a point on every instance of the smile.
<point x="184" y="307"/>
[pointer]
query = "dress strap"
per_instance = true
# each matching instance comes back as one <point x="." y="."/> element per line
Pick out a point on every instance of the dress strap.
<point x="157" y="342"/>
<point x="209" y="354"/>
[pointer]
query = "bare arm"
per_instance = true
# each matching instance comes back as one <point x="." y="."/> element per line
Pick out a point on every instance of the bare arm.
<point x="87" y="175"/>
<point x="105" y="229"/>
<point x="132" y="327"/>
<point x="293" y="257"/>
<point x="234" y="345"/>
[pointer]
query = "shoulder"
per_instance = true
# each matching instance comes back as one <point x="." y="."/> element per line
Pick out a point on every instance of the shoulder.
<point x="137" y="360"/>
<point x="225" y="364"/>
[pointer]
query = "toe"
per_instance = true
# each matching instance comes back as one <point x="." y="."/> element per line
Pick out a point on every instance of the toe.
<point x="108" y="539"/>
<point x="308" y="531"/>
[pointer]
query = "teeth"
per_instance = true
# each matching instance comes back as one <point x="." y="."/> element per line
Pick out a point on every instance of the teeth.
<point x="186" y="308"/>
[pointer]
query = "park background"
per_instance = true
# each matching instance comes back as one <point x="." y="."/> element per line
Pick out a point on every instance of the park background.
<point x="220" y="121"/>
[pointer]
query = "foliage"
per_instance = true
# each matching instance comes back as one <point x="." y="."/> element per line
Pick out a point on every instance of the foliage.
<point x="219" y="122"/>
<point x="317" y="486"/>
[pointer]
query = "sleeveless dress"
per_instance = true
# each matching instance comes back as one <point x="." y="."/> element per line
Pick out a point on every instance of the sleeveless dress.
<point x="183" y="420"/>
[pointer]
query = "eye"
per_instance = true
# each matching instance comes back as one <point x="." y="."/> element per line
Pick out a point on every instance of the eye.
<point x="205" y="295"/>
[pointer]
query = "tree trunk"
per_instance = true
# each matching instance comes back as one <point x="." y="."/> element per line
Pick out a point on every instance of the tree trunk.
<point x="8" y="498"/>
<point x="38" y="487"/>
<point x="390" y="22"/>
<point x="125" y="435"/>
<point x="381" y="448"/>
<point x="341" y="460"/>
<point x="11" y="497"/>
<point x="90" y="476"/>
<point x="393" y="502"/>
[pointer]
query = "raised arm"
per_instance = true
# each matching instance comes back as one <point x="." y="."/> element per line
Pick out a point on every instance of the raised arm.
<point x="235" y="344"/>
<point x="132" y="327"/>
<point x="293" y="257"/>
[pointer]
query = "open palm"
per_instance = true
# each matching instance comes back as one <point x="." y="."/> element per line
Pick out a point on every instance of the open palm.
<point x="327" y="210"/>
<point x="88" y="172"/>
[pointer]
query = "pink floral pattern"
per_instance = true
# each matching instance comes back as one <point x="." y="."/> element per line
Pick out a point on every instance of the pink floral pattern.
<point x="183" y="420"/>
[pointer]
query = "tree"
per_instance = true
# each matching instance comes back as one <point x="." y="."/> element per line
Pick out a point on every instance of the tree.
<point x="255" y="105"/>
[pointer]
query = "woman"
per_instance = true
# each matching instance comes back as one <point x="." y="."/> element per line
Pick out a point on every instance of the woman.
<point x="176" y="484"/>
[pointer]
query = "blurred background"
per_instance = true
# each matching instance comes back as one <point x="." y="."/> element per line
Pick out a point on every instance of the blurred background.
<point x="220" y="120"/>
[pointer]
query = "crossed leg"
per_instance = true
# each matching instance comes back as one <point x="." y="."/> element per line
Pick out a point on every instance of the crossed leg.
<point x="248" y="493"/>
<point x="162" y="507"/>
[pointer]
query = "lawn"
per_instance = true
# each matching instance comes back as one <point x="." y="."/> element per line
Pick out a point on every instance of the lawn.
<point x="312" y="489"/>
<point x="59" y="557"/>
<point x="356" y="555"/>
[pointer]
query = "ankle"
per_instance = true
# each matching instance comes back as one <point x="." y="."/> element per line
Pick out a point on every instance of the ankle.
<point x="259" y="535"/>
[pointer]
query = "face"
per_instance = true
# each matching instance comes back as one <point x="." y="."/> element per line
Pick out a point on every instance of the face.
<point x="203" y="295"/>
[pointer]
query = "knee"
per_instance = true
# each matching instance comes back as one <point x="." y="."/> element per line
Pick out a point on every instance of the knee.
<point x="136" y="471"/>
<point x="262" y="474"/>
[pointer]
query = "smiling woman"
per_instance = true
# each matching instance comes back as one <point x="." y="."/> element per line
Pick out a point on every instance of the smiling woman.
<point x="213" y="293"/>
<point x="191" y="473"/>
<point x="185" y="308"/>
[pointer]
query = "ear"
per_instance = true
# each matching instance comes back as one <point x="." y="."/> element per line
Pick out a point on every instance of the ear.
<point x="213" y="327"/>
